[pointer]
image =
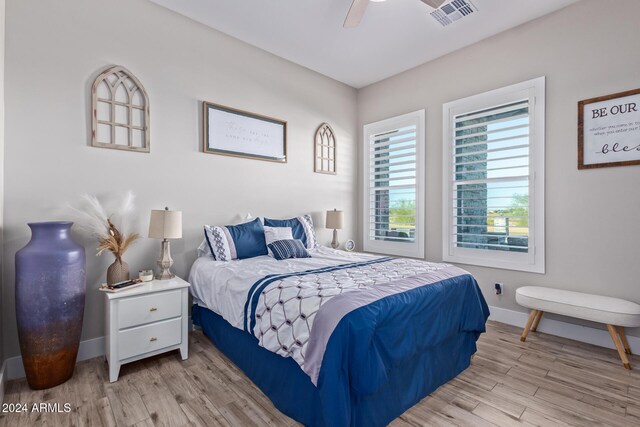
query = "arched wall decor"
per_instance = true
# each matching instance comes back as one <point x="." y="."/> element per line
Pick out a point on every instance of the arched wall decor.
<point x="120" y="111"/>
<point x="325" y="150"/>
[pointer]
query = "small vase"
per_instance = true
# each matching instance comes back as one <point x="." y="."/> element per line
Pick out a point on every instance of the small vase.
<point x="117" y="272"/>
<point x="50" y="292"/>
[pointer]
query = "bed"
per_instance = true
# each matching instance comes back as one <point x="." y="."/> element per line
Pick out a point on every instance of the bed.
<point x="340" y="339"/>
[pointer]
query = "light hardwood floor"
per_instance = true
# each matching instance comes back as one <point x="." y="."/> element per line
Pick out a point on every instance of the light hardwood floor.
<point x="547" y="381"/>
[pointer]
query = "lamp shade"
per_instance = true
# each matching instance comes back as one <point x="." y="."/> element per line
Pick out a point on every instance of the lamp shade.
<point x="165" y="224"/>
<point x="334" y="220"/>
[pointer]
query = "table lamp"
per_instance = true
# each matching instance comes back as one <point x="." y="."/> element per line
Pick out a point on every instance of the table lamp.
<point x="334" y="220"/>
<point x="165" y="224"/>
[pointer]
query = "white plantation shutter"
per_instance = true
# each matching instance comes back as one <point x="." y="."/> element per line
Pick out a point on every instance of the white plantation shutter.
<point x="491" y="178"/>
<point x="493" y="189"/>
<point x="394" y="171"/>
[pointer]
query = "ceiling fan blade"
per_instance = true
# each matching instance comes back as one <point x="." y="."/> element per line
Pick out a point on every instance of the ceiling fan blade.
<point x="434" y="3"/>
<point x="356" y="12"/>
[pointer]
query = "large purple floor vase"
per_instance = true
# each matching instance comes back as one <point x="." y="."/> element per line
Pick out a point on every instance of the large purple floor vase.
<point x="50" y="292"/>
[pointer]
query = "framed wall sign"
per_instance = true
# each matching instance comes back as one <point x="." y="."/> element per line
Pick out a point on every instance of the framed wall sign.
<point x="232" y="132"/>
<point x="609" y="130"/>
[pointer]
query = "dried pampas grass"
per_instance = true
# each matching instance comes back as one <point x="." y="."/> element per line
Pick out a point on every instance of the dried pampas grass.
<point x="91" y="218"/>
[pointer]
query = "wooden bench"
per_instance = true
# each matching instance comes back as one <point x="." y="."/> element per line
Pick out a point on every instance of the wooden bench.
<point x="614" y="312"/>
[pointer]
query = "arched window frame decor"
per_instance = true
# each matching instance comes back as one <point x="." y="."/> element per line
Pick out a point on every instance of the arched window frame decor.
<point x="119" y="124"/>
<point x="325" y="150"/>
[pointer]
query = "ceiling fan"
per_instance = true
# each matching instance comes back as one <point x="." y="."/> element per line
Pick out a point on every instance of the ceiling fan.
<point x="358" y="7"/>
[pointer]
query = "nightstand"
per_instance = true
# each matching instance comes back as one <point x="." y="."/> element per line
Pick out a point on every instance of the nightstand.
<point x="145" y="321"/>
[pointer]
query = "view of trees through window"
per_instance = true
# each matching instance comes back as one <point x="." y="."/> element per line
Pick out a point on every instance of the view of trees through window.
<point x="402" y="215"/>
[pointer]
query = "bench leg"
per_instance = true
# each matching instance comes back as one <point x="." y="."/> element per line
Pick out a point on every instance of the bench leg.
<point x="616" y="341"/>
<point x="527" y="327"/>
<point x="623" y="338"/>
<point x="537" y="321"/>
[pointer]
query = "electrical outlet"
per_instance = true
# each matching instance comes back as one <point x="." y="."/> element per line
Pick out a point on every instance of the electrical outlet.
<point x="498" y="288"/>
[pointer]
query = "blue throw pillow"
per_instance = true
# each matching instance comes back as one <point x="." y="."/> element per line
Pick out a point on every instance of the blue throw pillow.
<point x="285" y="249"/>
<point x="301" y="229"/>
<point x="236" y="241"/>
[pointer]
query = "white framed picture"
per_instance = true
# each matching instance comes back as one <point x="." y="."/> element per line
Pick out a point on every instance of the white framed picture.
<point x="609" y="130"/>
<point x="231" y="132"/>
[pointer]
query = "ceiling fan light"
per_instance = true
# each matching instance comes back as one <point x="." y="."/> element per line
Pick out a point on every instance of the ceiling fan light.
<point x="434" y="3"/>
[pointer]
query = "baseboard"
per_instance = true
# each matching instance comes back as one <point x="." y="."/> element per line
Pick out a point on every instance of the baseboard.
<point x="88" y="350"/>
<point x="3" y="380"/>
<point x="572" y="331"/>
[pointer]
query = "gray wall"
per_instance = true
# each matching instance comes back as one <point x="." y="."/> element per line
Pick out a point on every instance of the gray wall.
<point x="585" y="50"/>
<point x="56" y="49"/>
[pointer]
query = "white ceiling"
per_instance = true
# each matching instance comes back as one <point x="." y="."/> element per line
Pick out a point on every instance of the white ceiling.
<point x="394" y="35"/>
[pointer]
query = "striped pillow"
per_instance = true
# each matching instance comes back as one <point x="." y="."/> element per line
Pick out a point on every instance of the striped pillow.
<point x="236" y="241"/>
<point x="301" y="227"/>
<point x="290" y="248"/>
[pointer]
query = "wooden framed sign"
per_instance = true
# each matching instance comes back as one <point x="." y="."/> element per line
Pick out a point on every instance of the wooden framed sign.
<point x="609" y="130"/>
<point x="232" y="132"/>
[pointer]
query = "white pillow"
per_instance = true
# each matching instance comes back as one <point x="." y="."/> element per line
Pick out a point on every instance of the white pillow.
<point x="203" y="249"/>
<point x="272" y="234"/>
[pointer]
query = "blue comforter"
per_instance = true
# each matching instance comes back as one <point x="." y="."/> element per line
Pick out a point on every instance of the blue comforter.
<point x="378" y="340"/>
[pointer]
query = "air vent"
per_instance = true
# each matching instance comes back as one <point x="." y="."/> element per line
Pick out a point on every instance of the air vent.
<point x="453" y="11"/>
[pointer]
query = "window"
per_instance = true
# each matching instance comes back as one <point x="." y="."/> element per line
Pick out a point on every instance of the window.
<point x="120" y="117"/>
<point x="325" y="147"/>
<point x="493" y="195"/>
<point x="393" y="179"/>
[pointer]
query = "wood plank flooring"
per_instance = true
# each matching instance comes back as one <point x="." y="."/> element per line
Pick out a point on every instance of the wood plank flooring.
<point x="547" y="381"/>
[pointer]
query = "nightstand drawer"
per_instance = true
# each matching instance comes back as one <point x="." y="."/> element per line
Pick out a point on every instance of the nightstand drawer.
<point x="149" y="308"/>
<point x="144" y="339"/>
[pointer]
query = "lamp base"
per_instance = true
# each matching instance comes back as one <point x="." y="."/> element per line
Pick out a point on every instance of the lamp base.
<point x="334" y="243"/>
<point x="165" y="262"/>
<point x="165" y="274"/>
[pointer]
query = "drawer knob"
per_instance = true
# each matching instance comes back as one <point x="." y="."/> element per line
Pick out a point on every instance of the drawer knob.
<point x="153" y="339"/>
<point x="153" y="309"/>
